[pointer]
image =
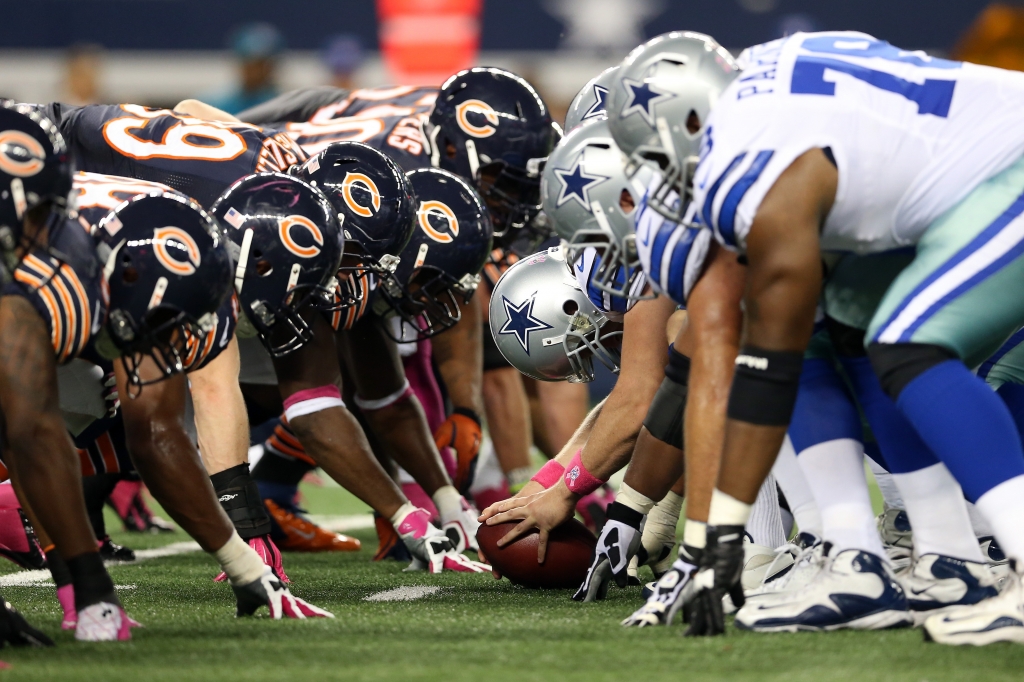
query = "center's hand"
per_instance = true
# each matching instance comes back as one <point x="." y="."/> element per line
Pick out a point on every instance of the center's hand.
<point x="544" y="510"/>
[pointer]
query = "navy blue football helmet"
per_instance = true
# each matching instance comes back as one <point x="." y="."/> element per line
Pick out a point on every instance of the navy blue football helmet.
<point x="442" y="261"/>
<point x="168" y="269"/>
<point x="289" y="246"/>
<point x="492" y="128"/>
<point x="376" y="209"/>
<point x="35" y="171"/>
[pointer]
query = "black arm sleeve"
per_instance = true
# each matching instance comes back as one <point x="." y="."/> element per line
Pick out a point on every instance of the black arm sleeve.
<point x="295" y="106"/>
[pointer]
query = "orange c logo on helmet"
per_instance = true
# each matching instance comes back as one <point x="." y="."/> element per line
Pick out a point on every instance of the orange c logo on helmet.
<point x="346" y="193"/>
<point x="428" y="208"/>
<point x="482" y="108"/>
<point x="182" y="246"/>
<point x="18" y="165"/>
<point x="301" y="221"/>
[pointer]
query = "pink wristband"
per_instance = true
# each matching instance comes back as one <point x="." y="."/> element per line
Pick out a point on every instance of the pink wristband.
<point x="577" y="479"/>
<point x="549" y="474"/>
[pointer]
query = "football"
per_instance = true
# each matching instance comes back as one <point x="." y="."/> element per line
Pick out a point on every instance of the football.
<point x="570" y="550"/>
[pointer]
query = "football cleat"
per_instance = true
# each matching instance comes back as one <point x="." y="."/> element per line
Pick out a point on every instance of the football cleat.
<point x="16" y="631"/>
<point x="269" y="554"/>
<point x="897" y="536"/>
<point x="104" y="622"/>
<point x="389" y="544"/>
<point x="430" y="547"/>
<point x="268" y="590"/>
<point x="806" y="552"/>
<point x="66" y="599"/>
<point x="999" y="619"/>
<point x="302" y="535"/>
<point x="18" y="541"/>
<point x="855" y="590"/>
<point x="668" y="594"/>
<point x="936" y="583"/>
<point x="756" y="561"/>
<point x="462" y="529"/>
<point x="129" y="503"/>
<point x="786" y="558"/>
<point x="111" y="551"/>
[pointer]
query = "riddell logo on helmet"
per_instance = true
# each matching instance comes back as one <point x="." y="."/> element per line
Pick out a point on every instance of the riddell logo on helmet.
<point x="481" y="108"/>
<point x="21" y="154"/>
<point x="171" y="245"/>
<point x="436" y="208"/>
<point x="289" y="243"/>
<point x="353" y="179"/>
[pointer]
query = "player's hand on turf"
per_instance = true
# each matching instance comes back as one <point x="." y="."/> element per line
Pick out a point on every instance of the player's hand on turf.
<point x="719" y="575"/>
<point x="673" y="589"/>
<point x="619" y="542"/>
<point x="431" y="549"/>
<point x="269" y="591"/>
<point x="16" y="631"/>
<point x="544" y="511"/>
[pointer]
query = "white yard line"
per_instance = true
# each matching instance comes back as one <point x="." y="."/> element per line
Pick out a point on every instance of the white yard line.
<point x="408" y="593"/>
<point x="334" y="523"/>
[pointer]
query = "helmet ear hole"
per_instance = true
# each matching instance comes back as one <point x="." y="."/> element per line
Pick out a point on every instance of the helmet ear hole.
<point x="264" y="267"/>
<point x="450" y="150"/>
<point x="626" y="201"/>
<point x="570" y="307"/>
<point x="130" y="275"/>
<point x="693" y="123"/>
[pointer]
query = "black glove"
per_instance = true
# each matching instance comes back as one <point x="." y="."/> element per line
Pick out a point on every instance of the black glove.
<point x="619" y="541"/>
<point x="719" y="575"/>
<point x="16" y="631"/>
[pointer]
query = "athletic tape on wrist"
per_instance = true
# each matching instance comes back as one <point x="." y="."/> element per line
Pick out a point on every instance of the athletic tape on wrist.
<point x="636" y="501"/>
<point x="765" y="385"/>
<point x="549" y="474"/>
<point x="578" y="479"/>
<point x="695" y="534"/>
<point x="312" y="400"/>
<point x="726" y="510"/>
<point x="366" y="404"/>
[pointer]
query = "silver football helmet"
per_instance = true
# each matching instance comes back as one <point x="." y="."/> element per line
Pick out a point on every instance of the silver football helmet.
<point x="539" y="295"/>
<point x="586" y="194"/>
<point x="658" y="104"/>
<point x="591" y="101"/>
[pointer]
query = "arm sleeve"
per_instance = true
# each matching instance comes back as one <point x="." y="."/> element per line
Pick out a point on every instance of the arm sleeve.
<point x="295" y="106"/>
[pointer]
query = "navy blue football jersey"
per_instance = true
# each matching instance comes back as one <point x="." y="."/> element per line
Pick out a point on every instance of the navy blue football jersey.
<point x="66" y="287"/>
<point x="196" y="157"/>
<point x="388" y="118"/>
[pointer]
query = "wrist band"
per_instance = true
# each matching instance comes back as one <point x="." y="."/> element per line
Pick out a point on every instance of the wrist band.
<point x="549" y="474"/>
<point x="577" y="479"/>
<point x="466" y="412"/>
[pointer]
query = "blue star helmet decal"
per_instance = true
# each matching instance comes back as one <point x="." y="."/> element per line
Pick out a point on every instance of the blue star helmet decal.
<point x="642" y="98"/>
<point x="576" y="184"/>
<point x="598" y="107"/>
<point x="521" y="321"/>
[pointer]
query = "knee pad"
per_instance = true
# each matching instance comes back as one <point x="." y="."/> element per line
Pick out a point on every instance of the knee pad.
<point x="312" y="400"/>
<point x="897" y="364"/>
<point x="848" y="341"/>
<point x="665" y="416"/>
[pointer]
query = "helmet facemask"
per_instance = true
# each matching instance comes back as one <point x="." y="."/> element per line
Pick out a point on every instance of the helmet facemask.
<point x="428" y="304"/>
<point x="588" y="337"/>
<point x="165" y="336"/>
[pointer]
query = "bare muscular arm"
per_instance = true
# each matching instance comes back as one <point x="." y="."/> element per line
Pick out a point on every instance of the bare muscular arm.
<point x="783" y="286"/>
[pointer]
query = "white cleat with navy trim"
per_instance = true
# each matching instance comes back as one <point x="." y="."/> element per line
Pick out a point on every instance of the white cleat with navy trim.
<point x="999" y="619"/>
<point x="937" y="584"/>
<point x="854" y="590"/>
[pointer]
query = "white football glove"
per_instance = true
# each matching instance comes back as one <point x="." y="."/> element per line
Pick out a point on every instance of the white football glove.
<point x="431" y="548"/>
<point x="670" y="593"/>
<point x="619" y="542"/>
<point x="461" y="529"/>
<point x="269" y="591"/>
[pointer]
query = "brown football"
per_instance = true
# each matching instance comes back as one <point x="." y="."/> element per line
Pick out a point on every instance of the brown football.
<point x="570" y="550"/>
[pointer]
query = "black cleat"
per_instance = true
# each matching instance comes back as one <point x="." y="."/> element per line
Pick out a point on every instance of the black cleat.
<point x="110" y="551"/>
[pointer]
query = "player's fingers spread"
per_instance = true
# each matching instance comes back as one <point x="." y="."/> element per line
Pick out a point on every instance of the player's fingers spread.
<point x="542" y="545"/>
<point x="309" y="610"/>
<point x="516" y="532"/>
<point x="510" y="515"/>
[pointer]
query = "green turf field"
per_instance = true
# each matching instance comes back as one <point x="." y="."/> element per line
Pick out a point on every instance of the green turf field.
<point x="474" y="629"/>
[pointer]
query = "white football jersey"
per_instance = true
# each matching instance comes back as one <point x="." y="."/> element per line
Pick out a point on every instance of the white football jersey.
<point x="616" y="306"/>
<point x="672" y="255"/>
<point x="911" y="135"/>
